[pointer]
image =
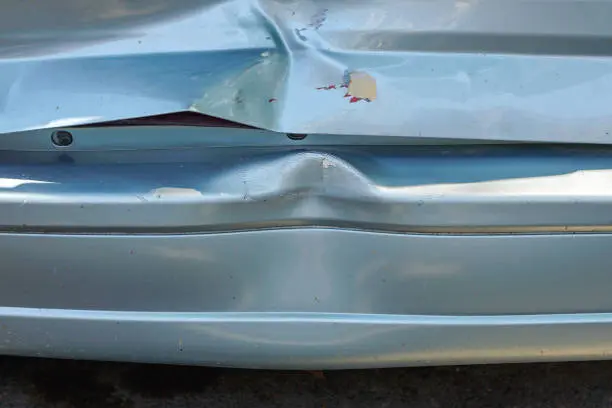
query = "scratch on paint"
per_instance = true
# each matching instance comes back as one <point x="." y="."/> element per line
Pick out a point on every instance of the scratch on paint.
<point x="298" y="32"/>
<point x="318" y="19"/>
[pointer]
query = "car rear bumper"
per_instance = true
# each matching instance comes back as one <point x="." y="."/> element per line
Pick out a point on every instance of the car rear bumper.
<point x="303" y="340"/>
<point x="237" y="247"/>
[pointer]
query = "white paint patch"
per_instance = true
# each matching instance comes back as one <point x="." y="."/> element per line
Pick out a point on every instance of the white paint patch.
<point x="175" y="192"/>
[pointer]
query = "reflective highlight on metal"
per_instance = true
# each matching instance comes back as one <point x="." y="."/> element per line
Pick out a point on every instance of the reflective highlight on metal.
<point x="489" y="70"/>
<point x="306" y="299"/>
<point x="304" y="341"/>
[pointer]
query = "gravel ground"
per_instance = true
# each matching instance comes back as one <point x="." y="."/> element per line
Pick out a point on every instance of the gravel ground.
<point x="50" y="383"/>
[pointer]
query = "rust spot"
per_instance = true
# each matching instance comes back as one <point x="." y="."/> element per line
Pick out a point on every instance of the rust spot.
<point x="271" y="100"/>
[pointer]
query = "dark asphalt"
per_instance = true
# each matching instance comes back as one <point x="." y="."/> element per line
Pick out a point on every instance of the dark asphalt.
<point x="49" y="383"/>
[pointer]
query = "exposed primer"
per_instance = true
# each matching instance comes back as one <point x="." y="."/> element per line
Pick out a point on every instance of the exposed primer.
<point x="360" y="86"/>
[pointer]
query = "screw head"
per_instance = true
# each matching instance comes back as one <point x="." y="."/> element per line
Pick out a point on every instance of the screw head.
<point x="62" y="138"/>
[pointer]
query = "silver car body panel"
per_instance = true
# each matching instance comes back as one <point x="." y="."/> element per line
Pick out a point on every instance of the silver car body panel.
<point x="426" y="218"/>
<point x="211" y="179"/>
<point x="528" y="70"/>
<point x="239" y="247"/>
<point x="303" y="340"/>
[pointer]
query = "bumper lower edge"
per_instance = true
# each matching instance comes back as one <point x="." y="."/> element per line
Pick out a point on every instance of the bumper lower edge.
<point x="302" y="340"/>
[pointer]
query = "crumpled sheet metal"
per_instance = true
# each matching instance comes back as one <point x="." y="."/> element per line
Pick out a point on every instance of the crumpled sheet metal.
<point x="497" y="69"/>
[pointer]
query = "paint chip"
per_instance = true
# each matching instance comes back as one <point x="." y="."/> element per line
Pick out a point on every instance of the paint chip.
<point x="359" y="86"/>
<point x="362" y="86"/>
<point x="175" y="192"/>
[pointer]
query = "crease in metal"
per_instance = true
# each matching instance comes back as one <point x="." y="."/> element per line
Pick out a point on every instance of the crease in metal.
<point x="459" y="190"/>
<point x="443" y="68"/>
<point x="292" y="225"/>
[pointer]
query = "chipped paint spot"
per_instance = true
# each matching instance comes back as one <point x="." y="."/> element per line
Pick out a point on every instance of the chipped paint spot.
<point x="326" y="163"/>
<point x="272" y="100"/>
<point x="362" y="86"/>
<point x="175" y="192"/>
<point x="346" y="78"/>
<point x="318" y="19"/>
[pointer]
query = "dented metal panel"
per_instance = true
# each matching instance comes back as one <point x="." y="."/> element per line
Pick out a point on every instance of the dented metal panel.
<point x="537" y="70"/>
<point x="242" y="247"/>
<point x="180" y="225"/>
<point x="208" y="188"/>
